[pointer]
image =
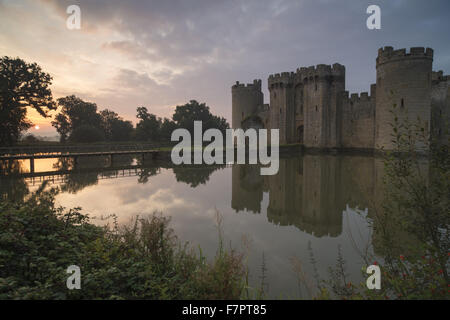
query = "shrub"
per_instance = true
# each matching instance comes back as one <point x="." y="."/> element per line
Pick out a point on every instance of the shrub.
<point x="142" y="260"/>
<point x="415" y="203"/>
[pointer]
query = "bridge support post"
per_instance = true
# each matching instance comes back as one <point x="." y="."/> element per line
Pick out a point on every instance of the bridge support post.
<point x="31" y="165"/>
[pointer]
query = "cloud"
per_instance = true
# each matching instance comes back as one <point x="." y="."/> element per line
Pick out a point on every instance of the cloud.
<point x="164" y="53"/>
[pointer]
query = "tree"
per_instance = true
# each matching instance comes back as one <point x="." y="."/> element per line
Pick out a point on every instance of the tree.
<point x="121" y="130"/>
<point x="185" y="116"/>
<point x="75" y="113"/>
<point x="87" y="134"/>
<point x="167" y="127"/>
<point x="107" y="118"/>
<point x="30" y="138"/>
<point x="114" y="127"/>
<point x="148" y="128"/>
<point x="22" y="85"/>
<point x="62" y="125"/>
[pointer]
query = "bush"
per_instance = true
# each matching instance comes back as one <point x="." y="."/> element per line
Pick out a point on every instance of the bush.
<point x="416" y="206"/>
<point x="143" y="260"/>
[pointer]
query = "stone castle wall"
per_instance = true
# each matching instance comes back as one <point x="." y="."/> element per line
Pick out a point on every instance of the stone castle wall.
<point x="282" y="108"/>
<point x="358" y="120"/>
<point x="440" y="107"/>
<point x="311" y="107"/>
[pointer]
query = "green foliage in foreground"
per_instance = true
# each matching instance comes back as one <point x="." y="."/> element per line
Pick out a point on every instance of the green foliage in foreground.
<point x="410" y="223"/>
<point x="141" y="261"/>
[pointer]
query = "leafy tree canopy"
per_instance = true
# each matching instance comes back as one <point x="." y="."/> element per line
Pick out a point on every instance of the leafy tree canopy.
<point x="148" y="128"/>
<point x="114" y="127"/>
<point x="75" y="113"/>
<point x="22" y="85"/>
<point x="185" y="116"/>
<point x="87" y="134"/>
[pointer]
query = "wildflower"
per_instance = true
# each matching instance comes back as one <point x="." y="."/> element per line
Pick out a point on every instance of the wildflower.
<point x="375" y="263"/>
<point x="441" y="271"/>
<point x="402" y="257"/>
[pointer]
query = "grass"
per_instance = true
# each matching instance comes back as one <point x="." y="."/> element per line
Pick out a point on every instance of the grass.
<point x="141" y="260"/>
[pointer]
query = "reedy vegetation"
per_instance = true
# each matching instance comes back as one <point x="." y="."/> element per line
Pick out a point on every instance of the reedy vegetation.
<point x="142" y="260"/>
<point x="410" y="221"/>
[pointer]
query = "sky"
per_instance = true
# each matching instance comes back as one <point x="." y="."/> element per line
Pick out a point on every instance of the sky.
<point x="160" y="54"/>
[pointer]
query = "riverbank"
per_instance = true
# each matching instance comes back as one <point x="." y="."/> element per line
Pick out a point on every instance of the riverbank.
<point x="143" y="260"/>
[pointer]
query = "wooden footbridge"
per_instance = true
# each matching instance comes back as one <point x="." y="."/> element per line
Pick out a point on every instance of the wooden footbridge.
<point x="75" y="152"/>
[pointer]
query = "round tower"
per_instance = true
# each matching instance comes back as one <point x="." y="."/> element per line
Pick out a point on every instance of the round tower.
<point x="403" y="80"/>
<point x="245" y="100"/>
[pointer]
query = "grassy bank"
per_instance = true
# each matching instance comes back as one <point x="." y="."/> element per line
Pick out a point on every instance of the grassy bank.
<point x="143" y="260"/>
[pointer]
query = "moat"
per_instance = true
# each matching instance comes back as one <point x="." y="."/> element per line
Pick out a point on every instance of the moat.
<point x="315" y="204"/>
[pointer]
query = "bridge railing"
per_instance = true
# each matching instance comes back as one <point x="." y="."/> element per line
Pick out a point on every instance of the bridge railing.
<point x="56" y="149"/>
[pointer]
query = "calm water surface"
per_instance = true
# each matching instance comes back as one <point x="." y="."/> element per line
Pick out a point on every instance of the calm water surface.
<point x="314" y="205"/>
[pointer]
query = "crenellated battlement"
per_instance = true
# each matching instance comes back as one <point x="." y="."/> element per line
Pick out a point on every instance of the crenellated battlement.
<point x="311" y="106"/>
<point x="256" y="85"/>
<point x="338" y="70"/>
<point x="373" y="90"/>
<point x="357" y="97"/>
<point x="438" y="76"/>
<point x="388" y="54"/>
<point x="281" y="78"/>
<point x="321" y="71"/>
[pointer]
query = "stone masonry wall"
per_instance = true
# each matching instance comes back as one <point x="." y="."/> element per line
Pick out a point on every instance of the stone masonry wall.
<point x="312" y="107"/>
<point x="358" y="120"/>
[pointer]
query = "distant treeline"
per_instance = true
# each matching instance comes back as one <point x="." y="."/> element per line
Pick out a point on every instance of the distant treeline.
<point x="24" y="85"/>
<point x="79" y="121"/>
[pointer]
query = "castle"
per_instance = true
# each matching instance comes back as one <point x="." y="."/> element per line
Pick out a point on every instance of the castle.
<point x="311" y="107"/>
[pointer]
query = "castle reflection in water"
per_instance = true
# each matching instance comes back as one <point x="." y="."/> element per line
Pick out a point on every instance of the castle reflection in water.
<point x="310" y="192"/>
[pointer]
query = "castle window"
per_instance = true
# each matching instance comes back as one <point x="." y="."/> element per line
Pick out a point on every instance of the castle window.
<point x="316" y="108"/>
<point x="280" y="111"/>
<point x="315" y="86"/>
<point x="274" y="94"/>
<point x="402" y="103"/>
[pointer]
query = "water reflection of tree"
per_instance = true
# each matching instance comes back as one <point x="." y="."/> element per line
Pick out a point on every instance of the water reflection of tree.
<point x="12" y="188"/>
<point x="83" y="173"/>
<point x="196" y="174"/>
<point x="146" y="173"/>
